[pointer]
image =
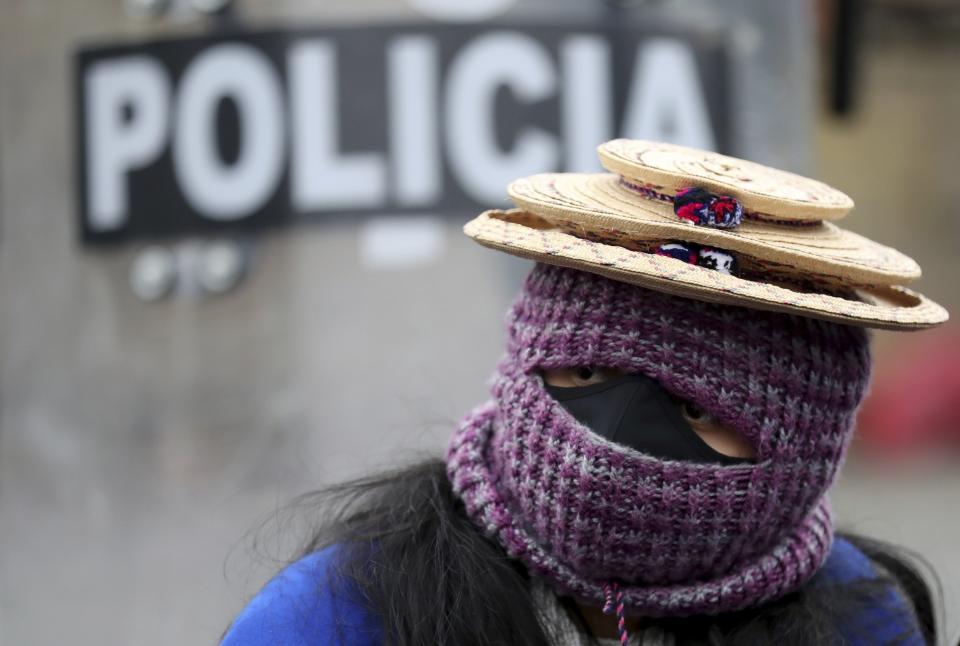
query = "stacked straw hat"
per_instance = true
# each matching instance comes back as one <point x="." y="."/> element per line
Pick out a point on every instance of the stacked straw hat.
<point x="710" y="227"/>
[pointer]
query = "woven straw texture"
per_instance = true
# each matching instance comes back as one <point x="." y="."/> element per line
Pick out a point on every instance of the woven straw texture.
<point x="786" y="255"/>
<point x="521" y="234"/>
<point x="681" y="538"/>
<point x="600" y="204"/>
<point x="759" y="188"/>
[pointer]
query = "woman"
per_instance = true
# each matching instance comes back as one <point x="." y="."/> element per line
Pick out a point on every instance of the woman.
<point x="653" y="465"/>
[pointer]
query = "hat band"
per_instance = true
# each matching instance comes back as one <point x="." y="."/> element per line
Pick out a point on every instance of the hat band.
<point x="700" y="255"/>
<point x="703" y="208"/>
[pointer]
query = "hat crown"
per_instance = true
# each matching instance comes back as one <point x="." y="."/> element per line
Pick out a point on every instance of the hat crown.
<point x="769" y="192"/>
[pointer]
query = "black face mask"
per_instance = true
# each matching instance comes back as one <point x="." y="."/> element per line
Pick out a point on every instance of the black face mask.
<point x="636" y="411"/>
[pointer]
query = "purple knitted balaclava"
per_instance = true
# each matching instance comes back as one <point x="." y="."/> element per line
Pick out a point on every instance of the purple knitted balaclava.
<point x="677" y="538"/>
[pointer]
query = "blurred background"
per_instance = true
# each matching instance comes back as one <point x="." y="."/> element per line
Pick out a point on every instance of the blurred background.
<point x="232" y="267"/>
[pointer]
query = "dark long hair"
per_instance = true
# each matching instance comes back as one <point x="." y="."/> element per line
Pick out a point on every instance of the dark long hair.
<point x="430" y="577"/>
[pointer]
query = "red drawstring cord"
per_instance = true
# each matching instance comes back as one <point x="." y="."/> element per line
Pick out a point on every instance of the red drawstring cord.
<point x="613" y="602"/>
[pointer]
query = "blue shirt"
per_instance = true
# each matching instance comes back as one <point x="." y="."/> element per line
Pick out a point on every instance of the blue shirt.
<point x="298" y="608"/>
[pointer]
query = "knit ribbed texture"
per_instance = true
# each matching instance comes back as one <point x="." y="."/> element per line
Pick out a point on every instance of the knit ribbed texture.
<point x="681" y="538"/>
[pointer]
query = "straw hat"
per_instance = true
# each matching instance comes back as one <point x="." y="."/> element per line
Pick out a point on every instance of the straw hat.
<point x="710" y="227"/>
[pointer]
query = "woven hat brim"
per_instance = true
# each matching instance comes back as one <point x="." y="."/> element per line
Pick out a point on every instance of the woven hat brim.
<point x="525" y="235"/>
<point x="776" y="192"/>
<point x="599" y="203"/>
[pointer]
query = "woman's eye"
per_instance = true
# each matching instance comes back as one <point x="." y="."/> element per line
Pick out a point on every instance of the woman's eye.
<point x="587" y="376"/>
<point x="694" y="413"/>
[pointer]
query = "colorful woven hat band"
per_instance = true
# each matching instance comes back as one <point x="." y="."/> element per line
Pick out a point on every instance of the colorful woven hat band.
<point x="676" y="538"/>
<point x="701" y="207"/>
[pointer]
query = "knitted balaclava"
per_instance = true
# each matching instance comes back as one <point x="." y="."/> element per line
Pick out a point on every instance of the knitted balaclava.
<point x="676" y="537"/>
